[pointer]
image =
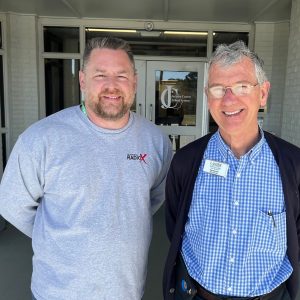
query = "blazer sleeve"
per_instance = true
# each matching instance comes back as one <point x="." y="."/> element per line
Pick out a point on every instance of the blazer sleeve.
<point x="173" y="192"/>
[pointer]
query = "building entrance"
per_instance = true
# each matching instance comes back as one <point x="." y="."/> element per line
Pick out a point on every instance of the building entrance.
<point x="171" y="94"/>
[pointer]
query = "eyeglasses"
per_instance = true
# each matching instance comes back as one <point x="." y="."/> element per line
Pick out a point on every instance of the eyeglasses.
<point x="238" y="89"/>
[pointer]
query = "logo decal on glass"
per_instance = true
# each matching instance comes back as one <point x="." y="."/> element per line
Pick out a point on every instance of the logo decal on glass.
<point x="167" y="95"/>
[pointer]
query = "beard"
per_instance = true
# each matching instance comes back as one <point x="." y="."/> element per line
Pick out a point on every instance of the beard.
<point x="109" y="110"/>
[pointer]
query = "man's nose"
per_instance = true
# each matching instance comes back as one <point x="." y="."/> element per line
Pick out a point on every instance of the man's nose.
<point x="110" y="80"/>
<point x="229" y="96"/>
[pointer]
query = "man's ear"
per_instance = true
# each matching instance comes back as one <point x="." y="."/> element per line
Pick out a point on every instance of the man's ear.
<point x="265" y="88"/>
<point x="82" y="80"/>
<point x="135" y="83"/>
<point x="207" y="100"/>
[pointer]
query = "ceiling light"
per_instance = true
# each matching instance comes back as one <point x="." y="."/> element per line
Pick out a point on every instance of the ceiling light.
<point x="111" y="30"/>
<point x="145" y="33"/>
<point x="186" y="32"/>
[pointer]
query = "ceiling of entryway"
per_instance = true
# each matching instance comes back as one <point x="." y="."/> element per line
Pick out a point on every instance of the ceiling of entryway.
<point x="166" y="10"/>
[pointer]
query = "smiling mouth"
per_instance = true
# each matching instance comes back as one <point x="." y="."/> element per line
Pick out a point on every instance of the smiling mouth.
<point x="111" y="98"/>
<point x="232" y="113"/>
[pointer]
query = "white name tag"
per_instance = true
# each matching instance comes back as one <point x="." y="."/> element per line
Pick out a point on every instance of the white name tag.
<point x="216" y="168"/>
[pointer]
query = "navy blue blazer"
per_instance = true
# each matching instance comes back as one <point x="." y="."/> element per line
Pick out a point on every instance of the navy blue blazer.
<point x="179" y="189"/>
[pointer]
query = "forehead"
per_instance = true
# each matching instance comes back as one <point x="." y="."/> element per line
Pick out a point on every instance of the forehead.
<point x="243" y="70"/>
<point x="109" y="58"/>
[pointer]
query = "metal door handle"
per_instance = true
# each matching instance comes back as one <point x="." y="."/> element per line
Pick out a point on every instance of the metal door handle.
<point x="151" y="112"/>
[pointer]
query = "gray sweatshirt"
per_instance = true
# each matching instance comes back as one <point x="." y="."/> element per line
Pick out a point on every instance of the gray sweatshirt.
<point x="86" y="196"/>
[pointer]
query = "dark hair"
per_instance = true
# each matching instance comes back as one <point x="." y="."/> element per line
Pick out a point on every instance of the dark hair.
<point x="108" y="42"/>
<point x="227" y="55"/>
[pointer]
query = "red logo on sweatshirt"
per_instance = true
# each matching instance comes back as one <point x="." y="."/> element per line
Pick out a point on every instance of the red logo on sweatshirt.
<point x="140" y="157"/>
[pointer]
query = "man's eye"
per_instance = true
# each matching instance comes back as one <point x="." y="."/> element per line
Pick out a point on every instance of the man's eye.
<point x="218" y="89"/>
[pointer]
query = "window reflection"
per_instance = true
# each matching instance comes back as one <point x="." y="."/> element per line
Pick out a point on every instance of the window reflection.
<point x="179" y="141"/>
<point x="221" y="37"/>
<point x="61" y="83"/>
<point x="2" y="106"/>
<point x="158" y="43"/>
<point x="3" y="145"/>
<point x="61" y="39"/>
<point x="176" y="98"/>
<point x="0" y="36"/>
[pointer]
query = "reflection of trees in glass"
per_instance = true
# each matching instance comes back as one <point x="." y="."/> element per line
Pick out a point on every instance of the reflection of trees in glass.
<point x="183" y="102"/>
<point x="192" y="78"/>
<point x="0" y="36"/>
<point x="187" y="87"/>
<point x="2" y="108"/>
<point x="191" y="84"/>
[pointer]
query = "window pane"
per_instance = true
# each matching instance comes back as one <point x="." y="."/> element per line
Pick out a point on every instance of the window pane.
<point x="220" y="37"/>
<point x="179" y="141"/>
<point x="0" y="36"/>
<point x="2" y="106"/>
<point x="4" y="158"/>
<point x="160" y="43"/>
<point x="133" y="106"/>
<point x="212" y="125"/>
<point x="176" y="98"/>
<point x="62" y="84"/>
<point x="61" y="39"/>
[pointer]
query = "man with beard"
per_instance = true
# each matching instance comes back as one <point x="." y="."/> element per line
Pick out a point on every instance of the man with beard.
<point x="84" y="183"/>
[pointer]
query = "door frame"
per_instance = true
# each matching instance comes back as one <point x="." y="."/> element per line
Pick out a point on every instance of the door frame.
<point x="145" y="98"/>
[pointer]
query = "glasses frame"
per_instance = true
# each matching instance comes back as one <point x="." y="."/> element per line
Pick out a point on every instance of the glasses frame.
<point x="225" y="88"/>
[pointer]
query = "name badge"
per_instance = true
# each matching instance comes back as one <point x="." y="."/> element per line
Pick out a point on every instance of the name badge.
<point x="216" y="168"/>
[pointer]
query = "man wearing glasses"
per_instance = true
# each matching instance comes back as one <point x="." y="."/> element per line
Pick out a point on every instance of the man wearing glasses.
<point x="232" y="197"/>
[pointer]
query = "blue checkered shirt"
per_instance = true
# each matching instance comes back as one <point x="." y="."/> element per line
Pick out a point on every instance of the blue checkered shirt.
<point x="235" y="237"/>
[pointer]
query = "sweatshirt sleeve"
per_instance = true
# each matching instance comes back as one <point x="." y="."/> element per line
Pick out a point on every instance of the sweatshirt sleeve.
<point x="157" y="192"/>
<point x="21" y="188"/>
<point x="173" y="192"/>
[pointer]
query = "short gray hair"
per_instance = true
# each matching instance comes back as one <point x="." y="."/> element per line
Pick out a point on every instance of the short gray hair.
<point x="226" y="55"/>
<point x="107" y="42"/>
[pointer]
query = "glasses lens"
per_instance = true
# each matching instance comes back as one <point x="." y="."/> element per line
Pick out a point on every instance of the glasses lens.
<point x="217" y="91"/>
<point x="241" y="89"/>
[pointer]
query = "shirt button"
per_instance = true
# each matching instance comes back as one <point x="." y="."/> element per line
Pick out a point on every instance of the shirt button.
<point x="172" y="290"/>
<point x="234" y="232"/>
<point x="229" y="289"/>
<point x="236" y="202"/>
<point x="238" y="175"/>
<point x="231" y="259"/>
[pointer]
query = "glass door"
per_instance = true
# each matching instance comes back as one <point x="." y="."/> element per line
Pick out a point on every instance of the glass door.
<point x="174" y="98"/>
<point x="139" y="105"/>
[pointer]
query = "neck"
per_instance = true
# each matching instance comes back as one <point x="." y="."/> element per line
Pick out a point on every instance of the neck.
<point x="105" y="123"/>
<point x="241" y="144"/>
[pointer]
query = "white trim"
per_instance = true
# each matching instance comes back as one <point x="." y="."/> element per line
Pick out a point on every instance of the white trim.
<point x="170" y="58"/>
<point x="61" y="55"/>
<point x="3" y="53"/>
<point x="41" y="66"/>
<point x="54" y="55"/>
<point x="139" y="24"/>
<point x="205" y="112"/>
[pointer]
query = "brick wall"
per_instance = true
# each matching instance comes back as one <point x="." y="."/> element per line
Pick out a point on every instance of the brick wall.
<point x="291" y="104"/>
<point x="22" y="72"/>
